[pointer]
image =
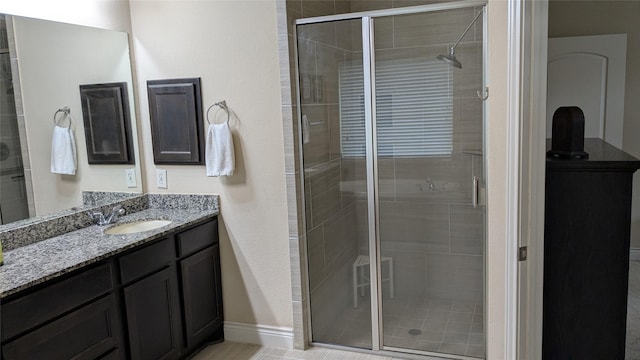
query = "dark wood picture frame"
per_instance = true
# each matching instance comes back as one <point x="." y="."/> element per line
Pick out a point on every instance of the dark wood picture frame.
<point x="107" y="123"/>
<point x="177" y="125"/>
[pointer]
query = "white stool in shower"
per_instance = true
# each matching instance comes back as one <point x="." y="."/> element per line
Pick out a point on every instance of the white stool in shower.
<point x="361" y="278"/>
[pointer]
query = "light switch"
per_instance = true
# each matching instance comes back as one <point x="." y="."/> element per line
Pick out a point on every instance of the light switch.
<point x="131" y="177"/>
<point x="161" y="178"/>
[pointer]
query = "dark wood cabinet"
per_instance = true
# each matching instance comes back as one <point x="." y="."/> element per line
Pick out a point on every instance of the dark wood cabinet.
<point x="586" y="253"/>
<point x="87" y="333"/>
<point x="107" y="127"/>
<point x="153" y="316"/>
<point x="39" y="306"/>
<point x="80" y="306"/>
<point x="148" y="303"/>
<point x="177" y="127"/>
<point x="201" y="292"/>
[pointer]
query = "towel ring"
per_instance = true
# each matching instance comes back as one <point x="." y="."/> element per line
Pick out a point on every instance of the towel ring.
<point x="67" y="112"/>
<point x="222" y="105"/>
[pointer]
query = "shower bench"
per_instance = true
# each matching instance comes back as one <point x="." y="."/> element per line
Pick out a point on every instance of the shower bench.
<point x="361" y="278"/>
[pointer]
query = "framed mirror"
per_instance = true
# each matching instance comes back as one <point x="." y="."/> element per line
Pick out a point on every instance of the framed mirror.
<point x="42" y="65"/>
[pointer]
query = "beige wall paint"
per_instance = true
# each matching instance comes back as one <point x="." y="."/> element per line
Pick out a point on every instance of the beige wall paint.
<point x="496" y="140"/>
<point x="232" y="47"/>
<point x="581" y="18"/>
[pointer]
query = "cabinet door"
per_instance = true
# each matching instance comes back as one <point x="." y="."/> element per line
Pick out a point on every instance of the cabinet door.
<point x="153" y="316"/>
<point x="202" y="294"/>
<point x="86" y="333"/>
<point x="177" y="128"/>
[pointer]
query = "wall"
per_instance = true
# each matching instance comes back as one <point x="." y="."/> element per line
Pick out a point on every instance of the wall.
<point x="497" y="190"/>
<point x="232" y="47"/>
<point x="582" y="18"/>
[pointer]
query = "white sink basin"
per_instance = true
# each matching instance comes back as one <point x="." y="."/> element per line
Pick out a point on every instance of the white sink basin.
<point x="136" y="227"/>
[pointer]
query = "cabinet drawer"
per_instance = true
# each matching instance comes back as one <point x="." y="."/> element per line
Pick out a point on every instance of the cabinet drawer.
<point x="83" y="334"/>
<point x="42" y="305"/>
<point x="147" y="260"/>
<point x="198" y="238"/>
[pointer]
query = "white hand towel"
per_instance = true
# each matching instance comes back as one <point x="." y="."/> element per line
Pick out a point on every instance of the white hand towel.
<point x="219" y="156"/>
<point x="63" y="151"/>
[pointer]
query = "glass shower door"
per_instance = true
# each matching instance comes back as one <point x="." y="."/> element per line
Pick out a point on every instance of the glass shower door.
<point x="331" y="86"/>
<point x="392" y="163"/>
<point x="429" y="140"/>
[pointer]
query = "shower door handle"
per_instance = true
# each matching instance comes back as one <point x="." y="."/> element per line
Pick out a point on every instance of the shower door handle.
<point x="474" y="191"/>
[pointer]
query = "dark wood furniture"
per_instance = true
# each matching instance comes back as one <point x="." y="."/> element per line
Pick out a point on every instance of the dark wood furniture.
<point x="162" y="300"/>
<point x="586" y="253"/>
<point x="177" y="127"/>
<point x="107" y="123"/>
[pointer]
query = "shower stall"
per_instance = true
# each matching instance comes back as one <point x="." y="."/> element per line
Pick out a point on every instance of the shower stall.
<point x="391" y="106"/>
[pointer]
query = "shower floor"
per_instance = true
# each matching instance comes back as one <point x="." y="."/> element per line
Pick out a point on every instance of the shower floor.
<point x="441" y="326"/>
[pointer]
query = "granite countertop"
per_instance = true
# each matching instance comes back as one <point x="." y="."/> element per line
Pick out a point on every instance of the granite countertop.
<point x="36" y="263"/>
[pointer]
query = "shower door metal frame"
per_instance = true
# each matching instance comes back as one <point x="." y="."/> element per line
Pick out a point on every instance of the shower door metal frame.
<point x="368" y="57"/>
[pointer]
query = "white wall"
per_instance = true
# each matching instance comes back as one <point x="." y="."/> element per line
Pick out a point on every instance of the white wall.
<point x="232" y="47"/>
<point x="581" y="18"/>
<point x="496" y="145"/>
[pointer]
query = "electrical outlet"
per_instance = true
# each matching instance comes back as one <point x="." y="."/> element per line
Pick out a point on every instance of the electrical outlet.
<point x="161" y="178"/>
<point x="131" y="177"/>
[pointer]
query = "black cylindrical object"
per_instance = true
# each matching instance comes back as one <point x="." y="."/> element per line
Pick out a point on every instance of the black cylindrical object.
<point x="567" y="133"/>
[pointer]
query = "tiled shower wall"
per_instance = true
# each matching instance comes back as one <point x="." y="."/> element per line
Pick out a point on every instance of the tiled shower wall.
<point x="436" y="236"/>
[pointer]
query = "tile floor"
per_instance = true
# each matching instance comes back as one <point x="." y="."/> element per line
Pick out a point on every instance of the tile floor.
<point x="633" y="313"/>
<point x="440" y="326"/>
<point x="234" y="351"/>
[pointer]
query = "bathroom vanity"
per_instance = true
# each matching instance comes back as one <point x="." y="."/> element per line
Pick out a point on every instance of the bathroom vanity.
<point x="148" y="295"/>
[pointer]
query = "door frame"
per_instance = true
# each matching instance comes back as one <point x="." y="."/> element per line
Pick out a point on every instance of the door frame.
<point x="532" y="96"/>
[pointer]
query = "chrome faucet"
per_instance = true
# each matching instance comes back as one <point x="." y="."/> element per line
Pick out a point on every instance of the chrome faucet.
<point x="100" y="219"/>
<point x="432" y="186"/>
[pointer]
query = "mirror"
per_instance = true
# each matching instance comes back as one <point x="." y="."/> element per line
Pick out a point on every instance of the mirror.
<point x="42" y="65"/>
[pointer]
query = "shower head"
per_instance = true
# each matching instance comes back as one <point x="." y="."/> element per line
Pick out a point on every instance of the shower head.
<point x="451" y="58"/>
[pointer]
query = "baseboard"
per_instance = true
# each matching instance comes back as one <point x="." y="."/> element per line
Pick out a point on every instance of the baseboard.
<point x="634" y="254"/>
<point x="272" y="336"/>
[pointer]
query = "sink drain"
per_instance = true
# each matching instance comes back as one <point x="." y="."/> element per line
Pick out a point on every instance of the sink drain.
<point x="415" y="332"/>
